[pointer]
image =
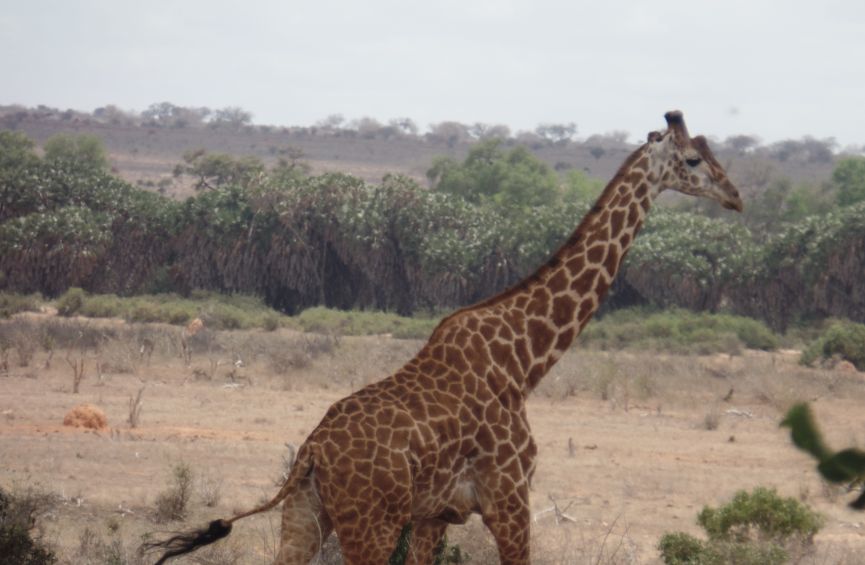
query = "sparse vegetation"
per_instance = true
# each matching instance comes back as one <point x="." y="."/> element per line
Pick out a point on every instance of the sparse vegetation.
<point x="758" y="528"/>
<point x="173" y="503"/>
<point x="135" y="406"/>
<point x="337" y="322"/>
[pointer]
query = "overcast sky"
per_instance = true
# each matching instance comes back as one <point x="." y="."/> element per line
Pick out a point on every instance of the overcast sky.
<point x="775" y="69"/>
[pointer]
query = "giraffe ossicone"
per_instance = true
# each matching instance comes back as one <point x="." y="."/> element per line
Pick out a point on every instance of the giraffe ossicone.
<point x="447" y="435"/>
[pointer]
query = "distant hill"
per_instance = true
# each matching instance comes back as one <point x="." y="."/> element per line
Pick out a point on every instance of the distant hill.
<point x="146" y="154"/>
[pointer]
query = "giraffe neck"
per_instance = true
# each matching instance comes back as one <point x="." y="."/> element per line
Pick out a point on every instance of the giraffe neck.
<point x="548" y="310"/>
<point x="562" y="296"/>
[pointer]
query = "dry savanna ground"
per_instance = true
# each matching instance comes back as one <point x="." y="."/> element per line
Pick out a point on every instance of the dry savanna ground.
<point x="632" y="444"/>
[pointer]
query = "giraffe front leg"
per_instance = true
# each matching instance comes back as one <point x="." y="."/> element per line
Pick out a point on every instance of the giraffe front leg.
<point x="367" y="542"/>
<point x="426" y="536"/>
<point x="508" y="518"/>
<point x="305" y="526"/>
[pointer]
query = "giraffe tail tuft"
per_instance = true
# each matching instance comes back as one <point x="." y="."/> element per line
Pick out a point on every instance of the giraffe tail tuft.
<point x="185" y="542"/>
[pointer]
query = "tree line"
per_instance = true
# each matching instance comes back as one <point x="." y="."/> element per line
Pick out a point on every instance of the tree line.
<point x="167" y="115"/>
<point x="300" y="240"/>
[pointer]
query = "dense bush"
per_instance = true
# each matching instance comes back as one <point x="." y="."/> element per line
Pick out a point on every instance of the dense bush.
<point x="336" y="241"/>
<point x="845" y="340"/>
<point x="687" y="260"/>
<point x="218" y="311"/>
<point x="810" y="269"/>
<point x="756" y="528"/>
<point x="11" y="303"/>
<point x="678" y="331"/>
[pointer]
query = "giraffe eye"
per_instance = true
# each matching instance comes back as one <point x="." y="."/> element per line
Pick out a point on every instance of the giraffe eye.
<point x="693" y="162"/>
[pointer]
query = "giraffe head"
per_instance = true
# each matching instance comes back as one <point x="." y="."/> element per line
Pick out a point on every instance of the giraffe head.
<point x="688" y="165"/>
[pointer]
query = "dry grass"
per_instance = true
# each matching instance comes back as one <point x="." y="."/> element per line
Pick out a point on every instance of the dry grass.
<point x="639" y="461"/>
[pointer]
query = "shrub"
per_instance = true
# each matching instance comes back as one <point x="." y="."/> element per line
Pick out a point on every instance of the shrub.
<point x="678" y="331"/>
<point x="342" y="322"/>
<point x="843" y="339"/>
<point x="71" y="302"/>
<point x="101" y="306"/>
<point x="172" y="503"/>
<point x="270" y="323"/>
<point x="764" y="512"/>
<point x="11" y="303"/>
<point x="679" y="548"/>
<point x="757" y="528"/>
<point x="17" y="515"/>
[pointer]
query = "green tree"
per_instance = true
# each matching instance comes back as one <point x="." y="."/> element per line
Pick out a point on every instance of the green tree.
<point x="233" y="117"/>
<point x="16" y="149"/>
<point x="85" y="151"/>
<point x="803" y="201"/>
<point x="559" y="134"/>
<point x="212" y="170"/>
<point x="849" y="179"/>
<point x="581" y="187"/>
<point x="290" y="167"/>
<point x="166" y="114"/>
<point x="514" y="178"/>
<point x="18" y="169"/>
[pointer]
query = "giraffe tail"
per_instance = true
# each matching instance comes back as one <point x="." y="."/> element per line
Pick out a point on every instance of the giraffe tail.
<point x="185" y="542"/>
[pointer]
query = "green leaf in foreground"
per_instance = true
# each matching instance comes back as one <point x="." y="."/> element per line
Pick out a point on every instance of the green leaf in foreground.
<point x="804" y="431"/>
<point x="845" y="466"/>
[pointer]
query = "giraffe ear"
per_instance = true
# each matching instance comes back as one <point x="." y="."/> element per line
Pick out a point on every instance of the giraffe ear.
<point x="654" y="136"/>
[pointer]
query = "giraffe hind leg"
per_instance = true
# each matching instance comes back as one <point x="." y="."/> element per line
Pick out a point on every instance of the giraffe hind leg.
<point x="305" y="526"/>
<point x="426" y="535"/>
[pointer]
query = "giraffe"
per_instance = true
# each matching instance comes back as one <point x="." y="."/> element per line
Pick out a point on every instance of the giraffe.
<point x="191" y="329"/>
<point x="448" y="435"/>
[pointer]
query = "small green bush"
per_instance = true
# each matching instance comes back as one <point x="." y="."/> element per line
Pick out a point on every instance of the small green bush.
<point x="341" y="322"/>
<point x="762" y="511"/>
<point x="172" y="503"/>
<point x="679" y="548"/>
<point x="71" y="301"/>
<point x="270" y="323"/>
<point x="219" y="311"/>
<point x="101" y="306"/>
<point x="11" y="303"/>
<point x="843" y="339"/>
<point x="756" y="528"/>
<point x="146" y="313"/>
<point x="678" y="331"/>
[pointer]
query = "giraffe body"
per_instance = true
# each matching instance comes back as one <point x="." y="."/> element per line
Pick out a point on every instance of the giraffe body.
<point x="447" y="435"/>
